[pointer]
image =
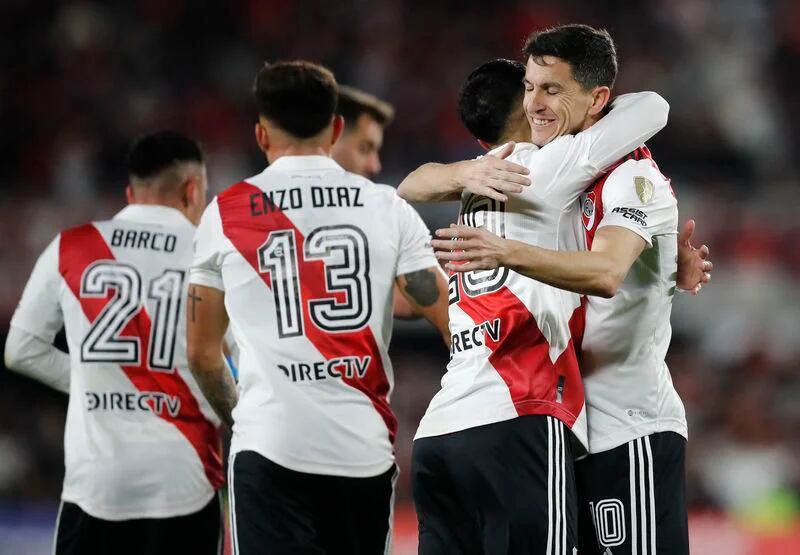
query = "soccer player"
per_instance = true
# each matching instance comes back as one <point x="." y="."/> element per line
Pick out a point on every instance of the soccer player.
<point x="143" y="457"/>
<point x="302" y="259"/>
<point x="365" y="118"/>
<point x="358" y="149"/>
<point x="497" y="434"/>
<point x="631" y="486"/>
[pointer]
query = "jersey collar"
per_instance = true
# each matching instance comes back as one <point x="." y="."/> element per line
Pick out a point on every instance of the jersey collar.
<point x="303" y="163"/>
<point x="153" y="214"/>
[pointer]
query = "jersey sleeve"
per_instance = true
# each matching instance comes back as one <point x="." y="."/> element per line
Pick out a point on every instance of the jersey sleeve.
<point x="38" y="359"/>
<point x="39" y="310"/>
<point x="415" y="251"/>
<point x="208" y="240"/>
<point x="637" y="197"/>
<point x="567" y="165"/>
<point x="634" y="118"/>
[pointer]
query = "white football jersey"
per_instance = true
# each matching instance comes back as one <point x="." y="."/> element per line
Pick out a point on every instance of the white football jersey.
<point x="307" y="255"/>
<point x="140" y="439"/>
<point x="513" y="338"/>
<point x="629" y="391"/>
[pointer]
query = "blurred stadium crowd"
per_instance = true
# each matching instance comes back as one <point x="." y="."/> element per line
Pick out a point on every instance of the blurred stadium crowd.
<point x="80" y="79"/>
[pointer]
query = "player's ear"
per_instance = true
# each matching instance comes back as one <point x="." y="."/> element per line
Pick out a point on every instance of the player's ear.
<point x="601" y="96"/>
<point x="486" y="146"/>
<point x="190" y="192"/>
<point x="338" y="127"/>
<point x="129" y="195"/>
<point x="262" y="137"/>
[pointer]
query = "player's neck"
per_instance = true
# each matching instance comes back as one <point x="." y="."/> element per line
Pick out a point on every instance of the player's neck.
<point x="591" y="120"/>
<point x="304" y="149"/>
<point x="159" y="201"/>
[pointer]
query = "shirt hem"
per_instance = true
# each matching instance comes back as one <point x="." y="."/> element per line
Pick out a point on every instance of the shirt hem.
<point x="104" y="513"/>
<point x="522" y="408"/>
<point x="620" y="222"/>
<point x="621" y="437"/>
<point x="204" y="279"/>
<point x="323" y="469"/>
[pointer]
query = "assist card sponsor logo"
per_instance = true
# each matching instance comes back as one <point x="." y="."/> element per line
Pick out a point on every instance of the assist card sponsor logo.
<point x="633" y="214"/>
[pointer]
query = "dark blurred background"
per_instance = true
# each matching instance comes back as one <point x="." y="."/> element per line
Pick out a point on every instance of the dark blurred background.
<point x="78" y="80"/>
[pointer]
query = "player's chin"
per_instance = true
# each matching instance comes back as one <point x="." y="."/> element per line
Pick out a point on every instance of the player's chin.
<point x="543" y="134"/>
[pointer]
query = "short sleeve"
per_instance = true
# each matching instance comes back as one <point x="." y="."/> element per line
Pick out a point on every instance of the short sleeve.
<point x="208" y="239"/>
<point x="637" y="197"/>
<point x="415" y="251"/>
<point x="39" y="310"/>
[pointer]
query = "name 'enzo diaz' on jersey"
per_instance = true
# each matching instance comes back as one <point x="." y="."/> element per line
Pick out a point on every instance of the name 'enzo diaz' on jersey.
<point x="307" y="255"/>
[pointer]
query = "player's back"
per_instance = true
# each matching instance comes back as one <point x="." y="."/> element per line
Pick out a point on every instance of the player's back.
<point x="140" y="439"/>
<point x="308" y="256"/>
<point x="513" y="350"/>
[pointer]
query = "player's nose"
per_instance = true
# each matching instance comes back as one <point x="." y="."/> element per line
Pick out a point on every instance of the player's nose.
<point x="374" y="165"/>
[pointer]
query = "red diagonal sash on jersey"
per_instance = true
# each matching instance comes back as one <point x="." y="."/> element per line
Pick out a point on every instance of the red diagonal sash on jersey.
<point x="82" y="246"/>
<point x="595" y="192"/>
<point x="521" y="356"/>
<point x="248" y="233"/>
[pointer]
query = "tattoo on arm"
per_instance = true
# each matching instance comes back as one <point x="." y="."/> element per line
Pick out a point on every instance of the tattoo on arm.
<point x="194" y="297"/>
<point x="220" y="391"/>
<point x="421" y="286"/>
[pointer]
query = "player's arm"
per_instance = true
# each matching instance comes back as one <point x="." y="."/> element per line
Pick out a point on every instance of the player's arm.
<point x="426" y="293"/>
<point x="207" y="319"/>
<point x="38" y="359"/>
<point x="633" y="119"/>
<point x="29" y="347"/>
<point x="207" y="323"/>
<point x="491" y="176"/>
<point x="418" y="276"/>
<point x="597" y="272"/>
<point x="402" y="309"/>
<point x="637" y="205"/>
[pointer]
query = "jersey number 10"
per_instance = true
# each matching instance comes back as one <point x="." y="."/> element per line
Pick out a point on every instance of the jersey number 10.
<point x="344" y="252"/>
<point x="104" y="342"/>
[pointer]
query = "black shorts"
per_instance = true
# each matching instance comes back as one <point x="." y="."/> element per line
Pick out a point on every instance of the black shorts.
<point x="632" y="498"/>
<point x="275" y="510"/>
<point x="503" y="489"/>
<point x="78" y="533"/>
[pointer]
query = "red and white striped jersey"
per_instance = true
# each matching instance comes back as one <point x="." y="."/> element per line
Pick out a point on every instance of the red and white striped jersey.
<point x="140" y="439"/>
<point x="307" y="255"/>
<point x="629" y="391"/>
<point x="513" y="338"/>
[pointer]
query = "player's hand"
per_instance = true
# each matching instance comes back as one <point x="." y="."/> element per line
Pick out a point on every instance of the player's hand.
<point x="492" y="175"/>
<point x="465" y="248"/>
<point x="694" y="268"/>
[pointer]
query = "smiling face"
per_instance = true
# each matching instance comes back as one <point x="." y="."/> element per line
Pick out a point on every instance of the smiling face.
<point x="555" y="103"/>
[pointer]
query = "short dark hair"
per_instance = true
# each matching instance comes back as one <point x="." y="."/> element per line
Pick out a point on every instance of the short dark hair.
<point x="488" y="96"/>
<point x="354" y="102"/>
<point x="298" y="96"/>
<point x="153" y="153"/>
<point x="590" y="52"/>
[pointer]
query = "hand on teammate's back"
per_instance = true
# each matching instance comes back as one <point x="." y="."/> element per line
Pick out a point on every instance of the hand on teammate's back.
<point x="465" y="248"/>
<point x="492" y="175"/>
<point x="693" y="267"/>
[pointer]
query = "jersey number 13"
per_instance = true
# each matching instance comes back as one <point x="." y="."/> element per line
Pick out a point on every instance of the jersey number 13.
<point x="344" y="252"/>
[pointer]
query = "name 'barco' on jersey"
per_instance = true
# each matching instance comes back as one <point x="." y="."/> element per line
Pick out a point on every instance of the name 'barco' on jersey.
<point x="295" y="198"/>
